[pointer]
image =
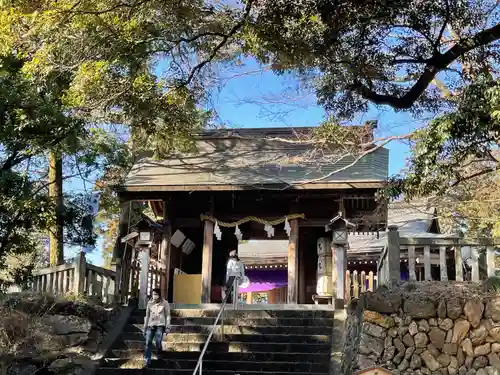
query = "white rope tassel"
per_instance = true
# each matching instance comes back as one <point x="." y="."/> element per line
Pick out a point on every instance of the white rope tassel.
<point x="270" y="230"/>
<point x="288" y="228"/>
<point x="238" y="234"/>
<point x="217" y="232"/>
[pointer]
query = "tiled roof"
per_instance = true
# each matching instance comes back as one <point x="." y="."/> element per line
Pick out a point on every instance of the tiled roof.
<point x="250" y="161"/>
<point x="413" y="219"/>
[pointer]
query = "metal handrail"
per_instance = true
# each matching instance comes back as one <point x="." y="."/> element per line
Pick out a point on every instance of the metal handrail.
<point x="224" y="303"/>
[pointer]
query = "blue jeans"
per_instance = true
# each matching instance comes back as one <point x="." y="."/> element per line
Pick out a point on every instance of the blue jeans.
<point x="157" y="332"/>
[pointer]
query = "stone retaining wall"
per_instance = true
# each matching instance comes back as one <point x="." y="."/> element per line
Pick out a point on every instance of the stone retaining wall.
<point x="427" y="334"/>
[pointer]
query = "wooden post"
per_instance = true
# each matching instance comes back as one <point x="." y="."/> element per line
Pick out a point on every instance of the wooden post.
<point x="80" y="270"/>
<point x="490" y="260"/>
<point x="442" y="263"/>
<point x="302" y="274"/>
<point x="370" y="281"/>
<point x="474" y="257"/>
<point x="339" y="275"/>
<point x="363" y="281"/>
<point x="165" y="253"/>
<point x="293" y="244"/>
<point x="427" y="263"/>
<point x="117" y="292"/>
<point x="459" y="272"/>
<point x="206" y="267"/>
<point x="411" y="263"/>
<point x="123" y="228"/>
<point x="394" y="256"/>
<point x="143" y="277"/>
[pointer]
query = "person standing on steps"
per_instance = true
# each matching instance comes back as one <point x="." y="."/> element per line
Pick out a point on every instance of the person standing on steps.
<point x="235" y="271"/>
<point x="156" y="324"/>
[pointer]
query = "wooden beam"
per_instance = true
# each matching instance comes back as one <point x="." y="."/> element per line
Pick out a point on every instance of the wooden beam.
<point x="450" y="241"/>
<point x="206" y="267"/>
<point x="293" y="244"/>
<point x="221" y="187"/>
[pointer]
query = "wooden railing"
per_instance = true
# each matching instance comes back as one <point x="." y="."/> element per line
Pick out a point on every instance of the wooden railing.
<point x="131" y="280"/>
<point x="446" y="253"/>
<point x="79" y="278"/>
<point x="357" y="283"/>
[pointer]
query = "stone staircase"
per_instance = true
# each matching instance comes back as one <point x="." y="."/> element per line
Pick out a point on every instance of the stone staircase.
<point x="256" y="341"/>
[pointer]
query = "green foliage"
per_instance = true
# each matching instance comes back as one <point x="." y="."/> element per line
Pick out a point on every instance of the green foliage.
<point x="456" y="159"/>
<point x="492" y="284"/>
<point x="385" y="52"/>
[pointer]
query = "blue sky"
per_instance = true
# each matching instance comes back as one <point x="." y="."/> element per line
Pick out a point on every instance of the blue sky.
<point x="257" y="100"/>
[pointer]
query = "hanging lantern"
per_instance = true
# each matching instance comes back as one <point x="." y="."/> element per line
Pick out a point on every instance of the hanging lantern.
<point x="217" y="231"/>
<point x="288" y="228"/>
<point x="238" y="234"/>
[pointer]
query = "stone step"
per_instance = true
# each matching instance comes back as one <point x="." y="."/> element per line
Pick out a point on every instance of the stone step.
<point x="241" y="330"/>
<point x="231" y="347"/>
<point x="124" y="356"/>
<point x="214" y="365"/>
<point x="154" y="371"/>
<point x="247" y="314"/>
<point x="201" y="338"/>
<point x="259" y="322"/>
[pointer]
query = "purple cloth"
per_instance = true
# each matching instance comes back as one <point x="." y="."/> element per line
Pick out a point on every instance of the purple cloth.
<point x="263" y="281"/>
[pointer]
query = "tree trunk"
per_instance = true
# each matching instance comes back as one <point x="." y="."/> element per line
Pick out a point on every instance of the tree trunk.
<point x="56" y="193"/>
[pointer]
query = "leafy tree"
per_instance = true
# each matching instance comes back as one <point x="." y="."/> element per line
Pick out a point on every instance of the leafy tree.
<point x="31" y="123"/>
<point x="101" y="58"/>
<point x="456" y="159"/>
<point x="396" y="53"/>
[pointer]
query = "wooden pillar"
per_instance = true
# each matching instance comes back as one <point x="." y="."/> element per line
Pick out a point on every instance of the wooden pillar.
<point x="490" y="261"/>
<point x="394" y="256"/>
<point x="302" y="273"/>
<point x="474" y="257"/>
<point x="459" y="272"/>
<point x="427" y="263"/>
<point x="293" y="245"/>
<point x="165" y="248"/>
<point x="339" y="268"/>
<point x="123" y="228"/>
<point x="80" y="271"/>
<point x="206" y="267"/>
<point x="143" y="277"/>
<point x="411" y="263"/>
<point x="442" y="263"/>
<point x="117" y="295"/>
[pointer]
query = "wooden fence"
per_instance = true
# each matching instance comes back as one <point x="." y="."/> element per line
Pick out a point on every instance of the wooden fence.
<point x="357" y="283"/>
<point x="79" y="278"/>
<point x="131" y="279"/>
<point x="446" y="253"/>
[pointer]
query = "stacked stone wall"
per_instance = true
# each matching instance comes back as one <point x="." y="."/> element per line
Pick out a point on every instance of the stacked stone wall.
<point x="430" y="333"/>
